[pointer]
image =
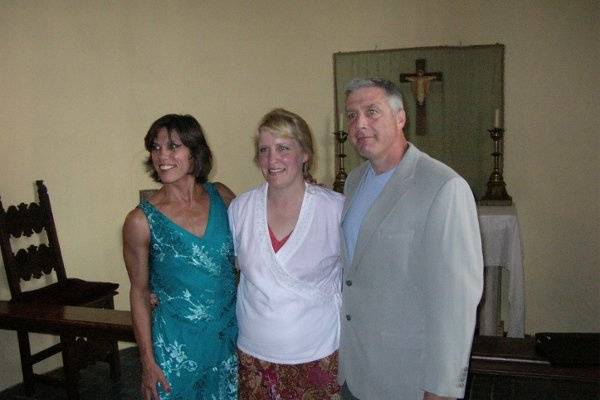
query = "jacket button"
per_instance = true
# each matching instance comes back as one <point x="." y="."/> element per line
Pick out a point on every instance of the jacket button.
<point x="349" y="282"/>
<point x="348" y="317"/>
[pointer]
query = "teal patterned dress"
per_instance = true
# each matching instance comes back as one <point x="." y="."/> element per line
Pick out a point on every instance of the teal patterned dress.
<point x="194" y="329"/>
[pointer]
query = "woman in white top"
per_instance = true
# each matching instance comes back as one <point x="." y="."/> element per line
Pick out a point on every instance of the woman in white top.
<point x="286" y="240"/>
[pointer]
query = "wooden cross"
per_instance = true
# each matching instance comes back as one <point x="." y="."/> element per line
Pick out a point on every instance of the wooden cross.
<point x="419" y="82"/>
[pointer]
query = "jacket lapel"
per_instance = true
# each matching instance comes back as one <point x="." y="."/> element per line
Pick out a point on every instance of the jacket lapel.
<point x="391" y="194"/>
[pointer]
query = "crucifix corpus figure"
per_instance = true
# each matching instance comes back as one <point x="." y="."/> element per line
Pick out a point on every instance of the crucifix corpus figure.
<point x="419" y="83"/>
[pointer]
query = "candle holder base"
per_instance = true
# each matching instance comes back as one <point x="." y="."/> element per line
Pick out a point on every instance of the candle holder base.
<point x="340" y="181"/>
<point x="496" y="194"/>
<point x="340" y="177"/>
<point x="502" y="203"/>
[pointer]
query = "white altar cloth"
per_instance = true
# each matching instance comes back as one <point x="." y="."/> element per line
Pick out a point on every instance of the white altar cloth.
<point x="501" y="242"/>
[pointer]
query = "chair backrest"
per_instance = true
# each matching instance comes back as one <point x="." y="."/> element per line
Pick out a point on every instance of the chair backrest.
<point x="34" y="261"/>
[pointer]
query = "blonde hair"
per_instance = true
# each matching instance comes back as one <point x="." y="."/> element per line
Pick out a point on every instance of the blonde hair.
<point x="284" y="123"/>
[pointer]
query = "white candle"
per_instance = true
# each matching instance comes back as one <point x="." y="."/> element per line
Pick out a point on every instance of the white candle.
<point x="332" y="121"/>
<point x="497" y="118"/>
<point x="341" y="122"/>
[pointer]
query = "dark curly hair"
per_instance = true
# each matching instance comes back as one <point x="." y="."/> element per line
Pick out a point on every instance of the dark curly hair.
<point x="192" y="136"/>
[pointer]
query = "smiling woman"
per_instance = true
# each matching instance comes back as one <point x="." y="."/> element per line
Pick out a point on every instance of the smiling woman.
<point x="177" y="245"/>
<point x="172" y="132"/>
<point x="280" y="159"/>
<point x="286" y="238"/>
<point x="170" y="158"/>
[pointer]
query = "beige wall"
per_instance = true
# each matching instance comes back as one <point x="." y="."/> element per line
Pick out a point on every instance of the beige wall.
<point x="82" y="81"/>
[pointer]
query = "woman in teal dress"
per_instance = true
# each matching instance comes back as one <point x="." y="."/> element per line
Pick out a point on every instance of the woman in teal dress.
<point x="177" y="246"/>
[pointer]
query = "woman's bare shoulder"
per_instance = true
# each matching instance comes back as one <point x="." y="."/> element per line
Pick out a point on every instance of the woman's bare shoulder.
<point x="135" y="222"/>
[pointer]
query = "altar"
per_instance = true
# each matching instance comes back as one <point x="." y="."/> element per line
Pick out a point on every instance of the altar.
<point x="502" y="253"/>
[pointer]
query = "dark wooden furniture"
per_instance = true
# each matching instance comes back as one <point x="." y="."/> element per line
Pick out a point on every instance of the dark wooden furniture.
<point x="501" y="368"/>
<point x="67" y="320"/>
<point x="510" y="368"/>
<point x="40" y="262"/>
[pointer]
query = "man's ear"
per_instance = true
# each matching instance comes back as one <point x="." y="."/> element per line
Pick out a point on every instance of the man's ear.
<point x="401" y="118"/>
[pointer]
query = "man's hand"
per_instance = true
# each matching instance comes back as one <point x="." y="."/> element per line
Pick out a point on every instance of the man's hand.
<point x="431" y="396"/>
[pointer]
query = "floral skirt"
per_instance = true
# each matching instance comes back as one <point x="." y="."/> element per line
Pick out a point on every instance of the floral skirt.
<point x="263" y="380"/>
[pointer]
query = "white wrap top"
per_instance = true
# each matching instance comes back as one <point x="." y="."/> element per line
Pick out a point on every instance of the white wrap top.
<point x="288" y="302"/>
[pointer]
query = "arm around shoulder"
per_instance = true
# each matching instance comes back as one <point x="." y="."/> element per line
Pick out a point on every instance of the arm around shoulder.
<point x="226" y="194"/>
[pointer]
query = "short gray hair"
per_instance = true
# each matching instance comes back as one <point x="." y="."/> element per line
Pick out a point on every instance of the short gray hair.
<point x="390" y="88"/>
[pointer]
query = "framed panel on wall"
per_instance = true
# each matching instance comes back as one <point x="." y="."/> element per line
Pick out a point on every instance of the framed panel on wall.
<point x="451" y="95"/>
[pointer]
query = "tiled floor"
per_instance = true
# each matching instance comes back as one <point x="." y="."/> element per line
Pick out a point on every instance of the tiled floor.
<point x="95" y="383"/>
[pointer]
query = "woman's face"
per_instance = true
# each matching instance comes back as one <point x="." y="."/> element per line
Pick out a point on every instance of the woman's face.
<point x="280" y="159"/>
<point x="171" y="159"/>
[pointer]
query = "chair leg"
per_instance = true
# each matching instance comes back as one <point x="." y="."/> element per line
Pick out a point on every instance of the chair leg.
<point x="26" y="365"/>
<point x="70" y="366"/>
<point x="113" y="358"/>
<point x="115" y="362"/>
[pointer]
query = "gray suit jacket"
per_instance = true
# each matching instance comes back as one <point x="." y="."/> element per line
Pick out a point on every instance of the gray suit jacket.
<point x="410" y="293"/>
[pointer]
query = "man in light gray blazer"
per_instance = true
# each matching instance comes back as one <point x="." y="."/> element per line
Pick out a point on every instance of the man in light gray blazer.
<point x="413" y="268"/>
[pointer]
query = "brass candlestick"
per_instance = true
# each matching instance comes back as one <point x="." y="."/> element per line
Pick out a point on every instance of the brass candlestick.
<point x="340" y="177"/>
<point x="496" y="194"/>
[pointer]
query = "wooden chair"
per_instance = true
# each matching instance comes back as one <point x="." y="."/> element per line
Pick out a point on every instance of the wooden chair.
<point x="38" y="262"/>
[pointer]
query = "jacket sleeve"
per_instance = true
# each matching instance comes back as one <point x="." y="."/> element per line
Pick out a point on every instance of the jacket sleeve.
<point x="453" y="283"/>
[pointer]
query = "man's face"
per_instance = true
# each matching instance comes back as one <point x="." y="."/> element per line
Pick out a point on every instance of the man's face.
<point x="373" y="126"/>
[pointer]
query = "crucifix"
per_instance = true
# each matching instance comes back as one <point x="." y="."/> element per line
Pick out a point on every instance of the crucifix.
<point x="419" y="83"/>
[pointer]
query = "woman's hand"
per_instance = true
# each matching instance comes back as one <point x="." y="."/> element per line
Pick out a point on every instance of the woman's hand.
<point x="154" y="301"/>
<point x="152" y="376"/>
